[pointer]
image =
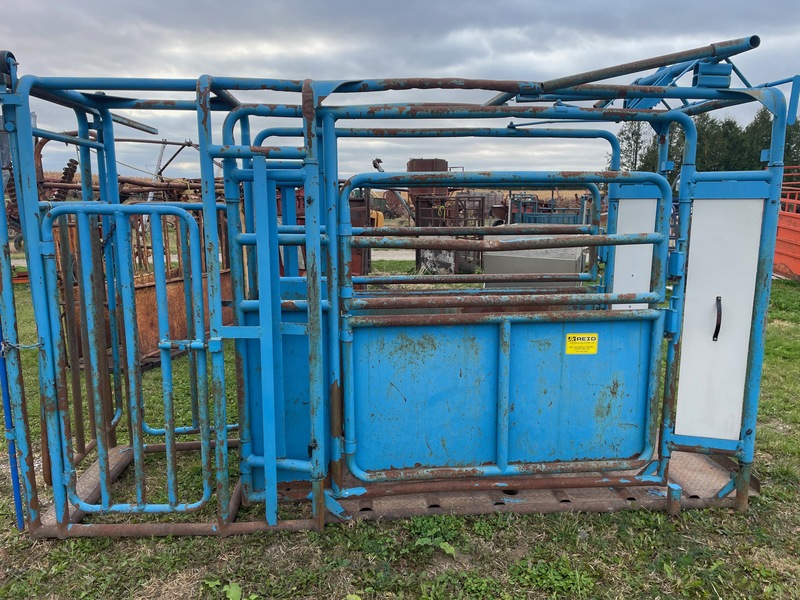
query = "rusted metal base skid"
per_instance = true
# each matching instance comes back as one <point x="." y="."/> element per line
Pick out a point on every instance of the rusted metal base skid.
<point x="694" y="481"/>
<point x="294" y="390"/>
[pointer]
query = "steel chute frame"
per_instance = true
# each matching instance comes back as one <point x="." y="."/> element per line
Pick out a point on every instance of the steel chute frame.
<point x="327" y="370"/>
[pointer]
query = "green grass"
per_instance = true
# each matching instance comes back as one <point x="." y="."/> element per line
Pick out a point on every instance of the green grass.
<point x="638" y="554"/>
<point x="393" y="267"/>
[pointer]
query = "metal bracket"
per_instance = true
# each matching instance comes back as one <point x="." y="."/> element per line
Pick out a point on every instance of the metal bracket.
<point x="334" y="507"/>
<point x="676" y="267"/>
<point x="671" y="322"/>
<point x="215" y="344"/>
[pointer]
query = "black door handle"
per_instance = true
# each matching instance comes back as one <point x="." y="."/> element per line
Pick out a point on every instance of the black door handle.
<point x="719" y="318"/>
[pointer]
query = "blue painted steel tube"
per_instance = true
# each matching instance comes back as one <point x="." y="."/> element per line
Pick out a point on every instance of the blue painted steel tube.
<point x="93" y="325"/>
<point x="653" y="390"/>
<point x="510" y="131"/>
<point x="502" y="178"/>
<point x="113" y="197"/>
<point x="286" y="305"/>
<point x="351" y="322"/>
<point x="284" y="239"/>
<point x="267" y="318"/>
<point x="285" y="464"/>
<point x="330" y="185"/>
<point x="505" y="231"/>
<point x="294" y="177"/>
<point x="211" y="245"/>
<point x="504" y="299"/>
<point x="676" y="307"/>
<point x="160" y="279"/>
<point x="64" y="441"/>
<point x="317" y="375"/>
<point x="188" y="301"/>
<point x="160" y="85"/>
<point x="272" y="253"/>
<point x="478" y="291"/>
<point x="11" y="439"/>
<point x="121" y="213"/>
<point x="766" y="254"/>
<point x="124" y="268"/>
<point x="21" y="146"/>
<point x="503" y="392"/>
<point x="572" y="241"/>
<point x="255" y="110"/>
<point x="67" y="139"/>
<point x="244" y="387"/>
<point x="437" y="279"/>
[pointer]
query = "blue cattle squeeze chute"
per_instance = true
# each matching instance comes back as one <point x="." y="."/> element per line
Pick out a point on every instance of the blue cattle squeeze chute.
<point x="293" y="380"/>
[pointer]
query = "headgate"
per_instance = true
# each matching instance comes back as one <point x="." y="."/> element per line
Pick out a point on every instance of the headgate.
<point x="304" y="392"/>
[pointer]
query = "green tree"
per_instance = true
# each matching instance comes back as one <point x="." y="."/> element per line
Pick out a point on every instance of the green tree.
<point x="757" y="137"/>
<point x="634" y="139"/>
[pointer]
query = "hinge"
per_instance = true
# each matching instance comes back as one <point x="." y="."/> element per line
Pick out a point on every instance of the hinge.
<point x="676" y="266"/>
<point x="671" y="322"/>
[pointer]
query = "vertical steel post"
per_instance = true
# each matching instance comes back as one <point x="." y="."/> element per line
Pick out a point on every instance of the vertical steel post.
<point x="267" y="322"/>
<point x="160" y="280"/>
<point x="211" y="244"/>
<point x="331" y="193"/>
<point x="11" y="439"/>
<point x="21" y="142"/>
<point x="314" y="201"/>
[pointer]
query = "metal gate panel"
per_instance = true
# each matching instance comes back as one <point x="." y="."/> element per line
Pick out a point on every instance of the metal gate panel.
<point x="433" y="397"/>
<point x="292" y="413"/>
<point x="426" y="396"/>
<point x="591" y="407"/>
<point x="119" y="229"/>
<point x="718" y="315"/>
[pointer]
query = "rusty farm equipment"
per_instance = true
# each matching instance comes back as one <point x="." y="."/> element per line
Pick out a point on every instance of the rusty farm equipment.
<point x="308" y="391"/>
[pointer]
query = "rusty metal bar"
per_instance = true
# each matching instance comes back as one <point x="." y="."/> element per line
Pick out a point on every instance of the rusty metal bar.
<point x="534" y="229"/>
<point x="478" y="318"/>
<point x="575" y="241"/>
<point x="501" y="300"/>
<point x="71" y="332"/>
<point x="480" y="278"/>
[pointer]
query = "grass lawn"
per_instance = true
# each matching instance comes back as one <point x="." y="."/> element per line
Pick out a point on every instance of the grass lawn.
<point x="638" y="554"/>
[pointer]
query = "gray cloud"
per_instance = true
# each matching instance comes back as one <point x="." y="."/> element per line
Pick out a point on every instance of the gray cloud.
<point x="528" y="40"/>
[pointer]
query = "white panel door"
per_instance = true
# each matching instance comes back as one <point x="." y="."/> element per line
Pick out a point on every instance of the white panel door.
<point x="723" y="258"/>
<point x="633" y="264"/>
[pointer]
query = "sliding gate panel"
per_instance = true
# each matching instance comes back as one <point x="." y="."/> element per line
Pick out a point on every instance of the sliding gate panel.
<point x="435" y="397"/>
<point x="292" y="411"/>
<point x="426" y="396"/>
<point x="555" y="382"/>
<point x="567" y="406"/>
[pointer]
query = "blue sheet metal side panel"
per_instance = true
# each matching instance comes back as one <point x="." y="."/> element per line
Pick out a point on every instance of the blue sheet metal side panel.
<point x="426" y="396"/>
<point x="566" y="407"/>
<point x="297" y="416"/>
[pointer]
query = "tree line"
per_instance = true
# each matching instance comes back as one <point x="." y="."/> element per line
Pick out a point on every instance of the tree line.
<point x="723" y="144"/>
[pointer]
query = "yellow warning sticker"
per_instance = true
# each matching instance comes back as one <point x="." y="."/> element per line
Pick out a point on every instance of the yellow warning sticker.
<point x="582" y="343"/>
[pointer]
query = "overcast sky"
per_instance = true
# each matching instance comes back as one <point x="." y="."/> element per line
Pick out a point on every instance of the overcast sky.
<point x="345" y="39"/>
